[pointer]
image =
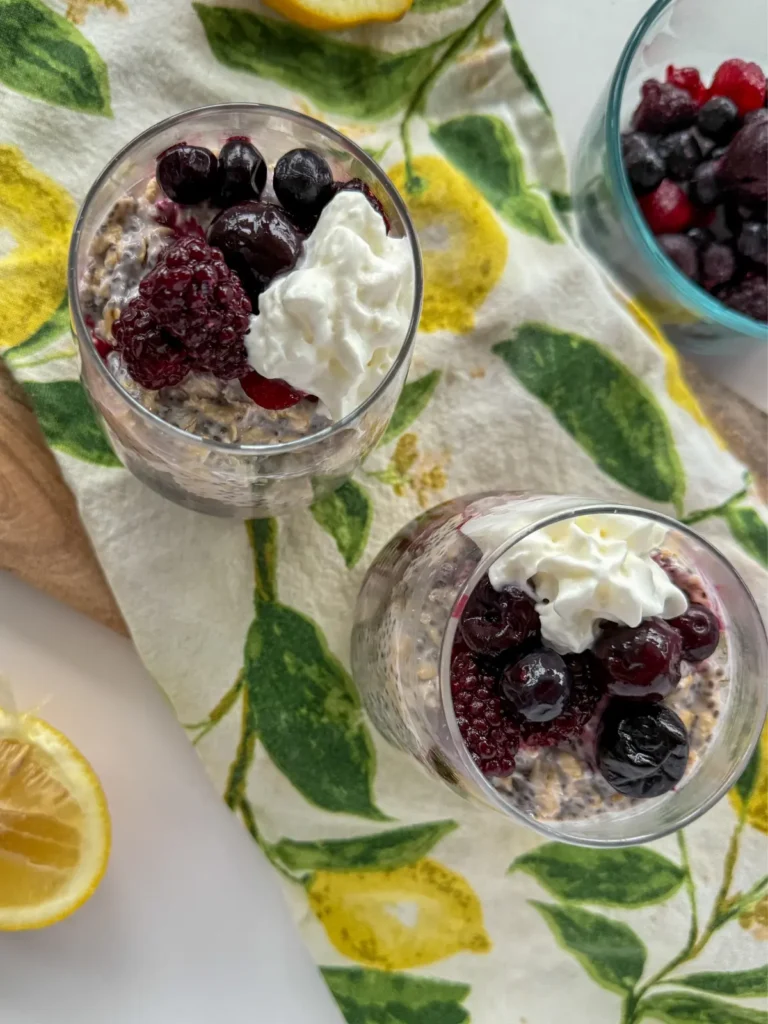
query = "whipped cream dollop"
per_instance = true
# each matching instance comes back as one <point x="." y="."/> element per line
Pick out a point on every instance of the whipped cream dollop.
<point x="582" y="570"/>
<point x="333" y="326"/>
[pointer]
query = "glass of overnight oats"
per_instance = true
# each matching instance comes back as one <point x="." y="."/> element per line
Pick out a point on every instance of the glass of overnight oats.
<point x="595" y="671"/>
<point x="671" y="176"/>
<point x="245" y="290"/>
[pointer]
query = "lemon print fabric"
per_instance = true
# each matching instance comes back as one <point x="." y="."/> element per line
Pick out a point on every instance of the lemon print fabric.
<point x="463" y="246"/>
<point x="36" y="217"/>
<point x="338" y="14"/>
<point x="750" y="795"/>
<point x="393" y="920"/>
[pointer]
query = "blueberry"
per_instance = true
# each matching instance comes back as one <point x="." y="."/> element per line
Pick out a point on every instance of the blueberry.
<point x="242" y="172"/>
<point x="641" y="661"/>
<point x="187" y="174"/>
<point x="496" y="620"/>
<point x="258" y="241"/>
<point x="719" y="119"/>
<point x="537" y="686"/>
<point x="753" y="241"/>
<point x="682" y="250"/>
<point x="304" y="185"/>
<point x="706" y="145"/>
<point x="682" y="154"/>
<point x="705" y="188"/>
<point x="718" y="265"/>
<point x="700" y="237"/>
<point x="699" y="630"/>
<point x="644" y="165"/>
<point x="642" y="749"/>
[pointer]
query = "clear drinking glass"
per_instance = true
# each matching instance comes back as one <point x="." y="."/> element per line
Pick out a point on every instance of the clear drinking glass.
<point x="698" y="33"/>
<point x="236" y="480"/>
<point x="406" y="620"/>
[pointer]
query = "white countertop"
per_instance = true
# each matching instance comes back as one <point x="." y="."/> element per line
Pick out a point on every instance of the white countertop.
<point x="189" y="924"/>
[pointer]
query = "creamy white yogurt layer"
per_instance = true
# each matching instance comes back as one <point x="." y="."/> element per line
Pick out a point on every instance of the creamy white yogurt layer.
<point x="582" y="570"/>
<point x="334" y="325"/>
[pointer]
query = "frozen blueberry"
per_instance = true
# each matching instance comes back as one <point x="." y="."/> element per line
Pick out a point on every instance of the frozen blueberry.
<point x="682" y="250"/>
<point x="700" y="236"/>
<point x="645" y="166"/>
<point x="705" y="188"/>
<point x="753" y="241"/>
<point x="718" y="119"/>
<point x="682" y="154"/>
<point x="718" y="265"/>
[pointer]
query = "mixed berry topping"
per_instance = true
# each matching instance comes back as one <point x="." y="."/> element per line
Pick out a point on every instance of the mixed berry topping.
<point x="194" y="306"/>
<point x="512" y="692"/>
<point x="697" y="160"/>
<point x="642" y="749"/>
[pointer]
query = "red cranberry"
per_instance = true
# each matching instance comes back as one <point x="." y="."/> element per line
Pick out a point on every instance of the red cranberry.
<point x="688" y="79"/>
<point x="741" y="81"/>
<point x="641" y="661"/>
<point x="270" y="394"/>
<point x="187" y="174"/>
<point x="642" y="749"/>
<point x="643" y="163"/>
<point x="667" y="209"/>
<point x="682" y="153"/>
<point x="705" y="187"/>
<point x="496" y="620"/>
<point x="663" y="108"/>
<point x="699" y="631"/>
<point x="537" y="686"/>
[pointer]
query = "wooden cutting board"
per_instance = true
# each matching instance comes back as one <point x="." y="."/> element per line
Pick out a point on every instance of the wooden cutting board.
<point x="43" y="541"/>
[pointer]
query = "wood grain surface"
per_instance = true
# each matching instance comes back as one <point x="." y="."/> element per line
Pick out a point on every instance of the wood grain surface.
<point x="43" y="542"/>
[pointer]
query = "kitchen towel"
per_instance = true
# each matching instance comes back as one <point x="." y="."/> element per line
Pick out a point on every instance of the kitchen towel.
<point x="530" y="372"/>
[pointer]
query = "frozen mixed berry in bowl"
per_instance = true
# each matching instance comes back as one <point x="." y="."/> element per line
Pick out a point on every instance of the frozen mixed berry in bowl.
<point x="677" y="148"/>
<point x="194" y="261"/>
<point x="596" y="672"/>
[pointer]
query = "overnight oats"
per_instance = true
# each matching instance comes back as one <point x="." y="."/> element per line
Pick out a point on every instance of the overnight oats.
<point x="595" y="672"/>
<point x="246" y="288"/>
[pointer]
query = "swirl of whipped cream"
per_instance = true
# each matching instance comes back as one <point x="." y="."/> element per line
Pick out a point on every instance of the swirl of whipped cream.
<point x="582" y="570"/>
<point x="333" y="326"/>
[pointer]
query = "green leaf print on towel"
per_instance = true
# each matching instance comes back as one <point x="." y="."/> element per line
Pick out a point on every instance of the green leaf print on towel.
<point x="301" y="700"/>
<point x="750" y="531"/>
<point x="429" y="6"/>
<point x="742" y="984"/>
<point x="69" y="422"/>
<point x="357" y="81"/>
<point x="46" y="57"/>
<point x="633" y="877"/>
<point x="603" y="405"/>
<point x="413" y="400"/>
<point x="366" y="996"/>
<point x="346" y="514"/>
<point x="685" y="1008"/>
<point x="521" y="66"/>
<point x="484" y="149"/>
<point x="609" y="951"/>
<point x="382" y="852"/>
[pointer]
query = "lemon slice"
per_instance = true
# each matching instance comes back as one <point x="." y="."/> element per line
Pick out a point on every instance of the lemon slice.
<point x="54" y="825"/>
<point x="330" y="14"/>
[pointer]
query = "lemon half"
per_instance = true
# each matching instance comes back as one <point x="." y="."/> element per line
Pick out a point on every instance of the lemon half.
<point x="54" y="825"/>
<point x="337" y="14"/>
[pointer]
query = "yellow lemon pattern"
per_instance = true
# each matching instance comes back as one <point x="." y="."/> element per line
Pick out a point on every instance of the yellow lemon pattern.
<point x="757" y="803"/>
<point x="36" y="217"/>
<point x="393" y="920"/>
<point x="463" y="245"/>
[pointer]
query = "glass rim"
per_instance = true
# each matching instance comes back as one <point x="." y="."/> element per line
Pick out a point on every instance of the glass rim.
<point x="583" y="506"/>
<point x="281" y="447"/>
<point x="704" y="305"/>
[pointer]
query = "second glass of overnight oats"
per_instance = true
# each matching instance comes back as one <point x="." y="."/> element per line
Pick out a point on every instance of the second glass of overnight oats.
<point x="245" y="289"/>
<point x="595" y="671"/>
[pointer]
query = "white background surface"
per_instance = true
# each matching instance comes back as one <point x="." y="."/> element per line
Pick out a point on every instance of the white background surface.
<point x="189" y="925"/>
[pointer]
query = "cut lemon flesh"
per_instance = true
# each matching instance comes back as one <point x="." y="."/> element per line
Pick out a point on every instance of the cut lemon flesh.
<point x="337" y="14"/>
<point x="54" y="825"/>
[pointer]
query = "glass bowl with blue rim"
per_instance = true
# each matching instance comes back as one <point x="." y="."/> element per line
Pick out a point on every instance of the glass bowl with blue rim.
<point x="697" y="33"/>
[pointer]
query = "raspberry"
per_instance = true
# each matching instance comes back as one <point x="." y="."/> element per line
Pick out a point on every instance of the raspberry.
<point x="491" y="738"/>
<point x="194" y="295"/>
<point x="742" y="82"/>
<point x="226" y="361"/>
<point x="588" y="688"/>
<point x="688" y="79"/>
<point x="663" y="108"/>
<point x="270" y="394"/>
<point x="667" y="209"/>
<point x="152" y="357"/>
